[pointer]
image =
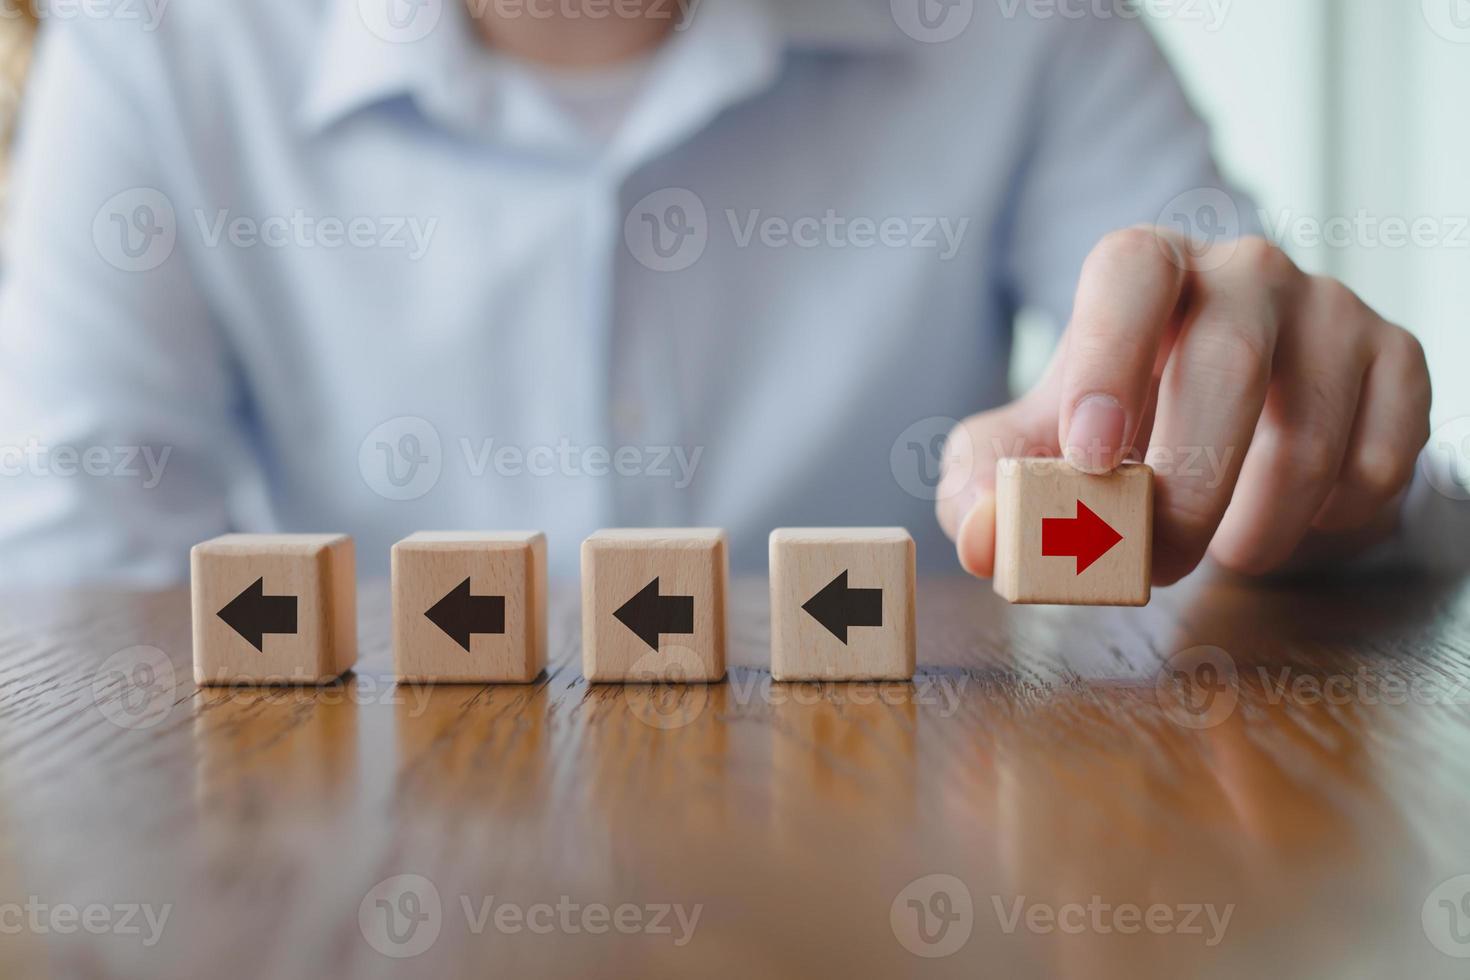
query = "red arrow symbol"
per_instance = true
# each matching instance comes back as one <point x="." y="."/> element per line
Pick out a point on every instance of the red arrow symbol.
<point x="1085" y="537"/>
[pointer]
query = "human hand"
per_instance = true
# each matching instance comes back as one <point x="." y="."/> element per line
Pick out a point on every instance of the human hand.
<point x="1280" y="413"/>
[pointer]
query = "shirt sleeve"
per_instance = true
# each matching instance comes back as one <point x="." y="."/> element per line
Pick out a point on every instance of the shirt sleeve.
<point x="1434" y="524"/>
<point x="1114" y="144"/>
<point x="118" y="402"/>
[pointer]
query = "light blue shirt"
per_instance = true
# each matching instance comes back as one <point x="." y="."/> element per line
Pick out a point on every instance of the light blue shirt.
<point x="331" y="265"/>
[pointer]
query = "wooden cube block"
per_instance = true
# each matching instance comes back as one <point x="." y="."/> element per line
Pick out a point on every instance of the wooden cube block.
<point x="470" y="606"/>
<point x="653" y="605"/>
<point x="1070" y="538"/>
<point x="842" y="604"/>
<point x="274" y="608"/>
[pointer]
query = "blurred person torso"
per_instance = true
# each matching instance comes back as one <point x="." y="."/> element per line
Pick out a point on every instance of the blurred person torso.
<point x="352" y="270"/>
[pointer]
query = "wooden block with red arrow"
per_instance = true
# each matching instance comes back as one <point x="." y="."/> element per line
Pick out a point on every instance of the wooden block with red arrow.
<point x="1070" y="538"/>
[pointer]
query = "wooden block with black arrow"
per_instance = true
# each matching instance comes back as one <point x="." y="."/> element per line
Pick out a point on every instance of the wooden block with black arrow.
<point x="273" y="608"/>
<point x="842" y="604"/>
<point x="653" y="605"/>
<point x="470" y="606"/>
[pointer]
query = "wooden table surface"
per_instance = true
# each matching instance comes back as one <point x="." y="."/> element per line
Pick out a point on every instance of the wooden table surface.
<point x="1237" y="780"/>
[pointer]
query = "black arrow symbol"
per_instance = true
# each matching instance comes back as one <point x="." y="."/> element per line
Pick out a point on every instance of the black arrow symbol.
<point x="648" y="614"/>
<point x="462" y="614"/>
<point x="253" y="614"/>
<point x="837" y="607"/>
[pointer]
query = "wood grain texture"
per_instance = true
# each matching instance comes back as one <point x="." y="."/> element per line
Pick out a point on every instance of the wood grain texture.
<point x="617" y="565"/>
<point x="1041" y="755"/>
<point x="807" y="561"/>
<point x="508" y="564"/>
<point x="317" y="569"/>
<point x="1030" y="491"/>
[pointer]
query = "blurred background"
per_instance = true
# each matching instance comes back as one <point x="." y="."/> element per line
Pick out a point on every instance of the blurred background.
<point x="1353" y="112"/>
<point x="1343" y="119"/>
<point x="17" y="28"/>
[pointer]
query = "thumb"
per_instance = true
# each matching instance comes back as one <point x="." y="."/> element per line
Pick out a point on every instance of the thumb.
<point x="966" y="506"/>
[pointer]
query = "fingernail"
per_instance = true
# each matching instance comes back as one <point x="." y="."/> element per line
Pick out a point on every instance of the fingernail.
<point x="1096" y="435"/>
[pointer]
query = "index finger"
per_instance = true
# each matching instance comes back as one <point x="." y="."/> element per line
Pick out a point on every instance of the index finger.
<point x="1127" y="296"/>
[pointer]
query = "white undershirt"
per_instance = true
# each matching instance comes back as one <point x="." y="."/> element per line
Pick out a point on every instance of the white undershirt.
<point x="596" y="101"/>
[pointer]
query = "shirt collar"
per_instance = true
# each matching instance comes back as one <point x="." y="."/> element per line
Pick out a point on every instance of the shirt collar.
<point x="372" y="51"/>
